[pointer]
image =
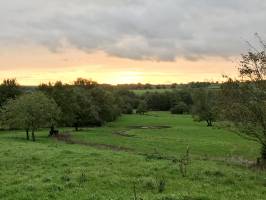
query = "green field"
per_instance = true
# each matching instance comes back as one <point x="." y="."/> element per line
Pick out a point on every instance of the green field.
<point x="143" y="91"/>
<point x="106" y="163"/>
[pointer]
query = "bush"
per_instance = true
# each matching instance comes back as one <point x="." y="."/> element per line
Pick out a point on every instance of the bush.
<point x="142" y="108"/>
<point x="127" y="109"/>
<point x="180" y="108"/>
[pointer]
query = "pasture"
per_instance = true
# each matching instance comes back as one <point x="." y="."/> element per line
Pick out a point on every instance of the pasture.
<point x="143" y="91"/>
<point x="135" y="157"/>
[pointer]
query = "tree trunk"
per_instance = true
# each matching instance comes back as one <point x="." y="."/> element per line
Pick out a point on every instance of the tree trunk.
<point x="27" y="134"/>
<point x="51" y="130"/>
<point x="76" y="126"/>
<point x="33" y="135"/>
<point x="263" y="154"/>
<point x="209" y="122"/>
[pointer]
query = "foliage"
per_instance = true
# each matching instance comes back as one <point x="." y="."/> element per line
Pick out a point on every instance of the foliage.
<point x="180" y="108"/>
<point x="128" y="100"/>
<point x="30" y="112"/>
<point x="244" y="101"/>
<point x="9" y="89"/>
<point x="158" y="101"/>
<point x="83" y="104"/>
<point x="142" y="108"/>
<point x="127" y="109"/>
<point x="205" y="105"/>
<point x="85" y="112"/>
<point x="164" y="101"/>
<point x="108" y="108"/>
<point x="65" y="99"/>
<point x="184" y="161"/>
<point x="85" y="83"/>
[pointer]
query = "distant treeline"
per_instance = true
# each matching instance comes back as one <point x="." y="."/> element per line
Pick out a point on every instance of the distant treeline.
<point x="147" y="86"/>
<point x="87" y="103"/>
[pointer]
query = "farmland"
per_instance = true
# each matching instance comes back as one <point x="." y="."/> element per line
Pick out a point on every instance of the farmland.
<point x="134" y="156"/>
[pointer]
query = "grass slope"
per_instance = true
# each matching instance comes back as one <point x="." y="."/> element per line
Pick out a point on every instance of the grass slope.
<point x="107" y="162"/>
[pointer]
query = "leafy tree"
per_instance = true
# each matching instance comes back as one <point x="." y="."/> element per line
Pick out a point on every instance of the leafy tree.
<point x="205" y="106"/>
<point x="244" y="100"/>
<point x="106" y="102"/>
<point x="86" y="112"/>
<point x="127" y="99"/>
<point x="9" y="89"/>
<point x="166" y="100"/>
<point x="30" y="112"/>
<point x="127" y="109"/>
<point x="158" y="101"/>
<point x="86" y="83"/>
<point x="180" y="108"/>
<point x="185" y="96"/>
<point x="65" y="98"/>
<point x="83" y="105"/>
<point x="142" y="108"/>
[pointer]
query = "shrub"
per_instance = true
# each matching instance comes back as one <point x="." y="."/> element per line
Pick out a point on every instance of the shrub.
<point x="180" y="108"/>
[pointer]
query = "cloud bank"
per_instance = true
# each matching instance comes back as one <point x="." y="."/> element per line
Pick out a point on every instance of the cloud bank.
<point x="135" y="29"/>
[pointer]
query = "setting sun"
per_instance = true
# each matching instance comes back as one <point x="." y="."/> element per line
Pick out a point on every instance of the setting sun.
<point x="125" y="77"/>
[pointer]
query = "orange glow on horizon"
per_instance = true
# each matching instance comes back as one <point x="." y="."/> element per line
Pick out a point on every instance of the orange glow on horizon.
<point x="35" y="65"/>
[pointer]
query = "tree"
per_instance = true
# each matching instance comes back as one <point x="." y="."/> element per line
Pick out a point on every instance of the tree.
<point x="106" y="102"/>
<point x="86" y="83"/>
<point x="9" y="89"/>
<point x="86" y="112"/>
<point x="30" y="112"/>
<point x="90" y="106"/>
<point x="180" y="108"/>
<point x="205" y="106"/>
<point x="244" y="100"/>
<point x="128" y="100"/>
<point x="158" y="101"/>
<point x="127" y="109"/>
<point x="142" y="108"/>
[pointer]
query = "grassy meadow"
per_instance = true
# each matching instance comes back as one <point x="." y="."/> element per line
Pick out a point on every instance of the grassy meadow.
<point x="143" y="91"/>
<point x="135" y="157"/>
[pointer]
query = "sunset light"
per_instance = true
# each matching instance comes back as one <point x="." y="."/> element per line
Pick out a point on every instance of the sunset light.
<point x="133" y="99"/>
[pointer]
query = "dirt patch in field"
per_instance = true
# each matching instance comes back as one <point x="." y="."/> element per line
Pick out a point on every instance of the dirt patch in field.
<point x="123" y="133"/>
<point x="149" y="127"/>
<point x="66" y="137"/>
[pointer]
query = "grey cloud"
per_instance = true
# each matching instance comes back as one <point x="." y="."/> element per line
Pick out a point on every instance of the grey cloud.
<point x="139" y="29"/>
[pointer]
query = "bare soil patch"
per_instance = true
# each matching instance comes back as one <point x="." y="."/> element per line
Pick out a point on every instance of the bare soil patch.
<point x="149" y="127"/>
<point x="123" y="133"/>
<point x="67" y="137"/>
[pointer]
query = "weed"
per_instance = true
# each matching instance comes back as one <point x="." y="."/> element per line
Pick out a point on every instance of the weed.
<point x="184" y="161"/>
<point x="161" y="184"/>
<point x="82" y="178"/>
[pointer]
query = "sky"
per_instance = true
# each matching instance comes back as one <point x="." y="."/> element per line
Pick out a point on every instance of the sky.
<point x="126" y="41"/>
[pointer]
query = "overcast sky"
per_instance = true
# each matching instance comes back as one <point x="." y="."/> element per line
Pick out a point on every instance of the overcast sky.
<point x="154" y="30"/>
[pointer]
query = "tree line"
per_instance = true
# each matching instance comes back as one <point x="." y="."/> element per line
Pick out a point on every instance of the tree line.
<point x="83" y="103"/>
